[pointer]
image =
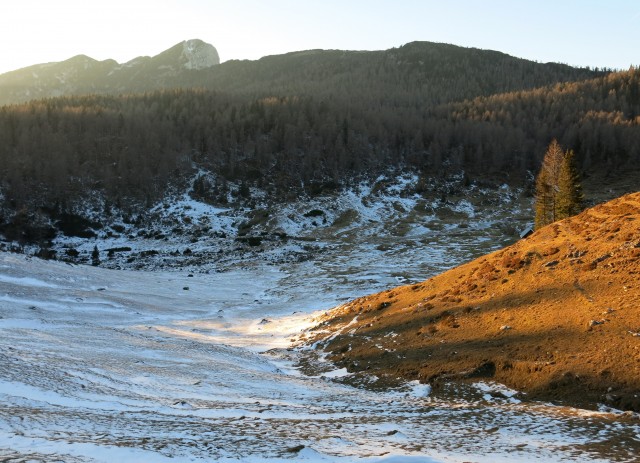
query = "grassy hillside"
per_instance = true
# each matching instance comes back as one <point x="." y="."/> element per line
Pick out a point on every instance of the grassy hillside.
<point x="555" y="315"/>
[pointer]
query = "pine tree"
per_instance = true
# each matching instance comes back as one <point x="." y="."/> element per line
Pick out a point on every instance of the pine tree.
<point x="558" y="188"/>
<point x="95" y="256"/>
<point x="569" y="199"/>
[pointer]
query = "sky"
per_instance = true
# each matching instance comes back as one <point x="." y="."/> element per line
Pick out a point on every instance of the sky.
<point x="595" y="33"/>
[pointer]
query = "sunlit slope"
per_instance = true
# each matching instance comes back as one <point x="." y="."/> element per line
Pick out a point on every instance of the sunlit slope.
<point x="556" y="315"/>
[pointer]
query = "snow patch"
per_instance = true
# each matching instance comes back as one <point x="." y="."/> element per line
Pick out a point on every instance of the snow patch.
<point x="341" y="373"/>
<point x="419" y="389"/>
<point x="495" y="390"/>
<point x="25" y="281"/>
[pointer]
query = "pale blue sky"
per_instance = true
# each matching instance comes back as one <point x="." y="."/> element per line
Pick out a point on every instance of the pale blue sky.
<point x="603" y="33"/>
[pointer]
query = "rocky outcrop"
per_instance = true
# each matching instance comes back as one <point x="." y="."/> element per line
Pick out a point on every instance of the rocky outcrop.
<point x="197" y="54"/>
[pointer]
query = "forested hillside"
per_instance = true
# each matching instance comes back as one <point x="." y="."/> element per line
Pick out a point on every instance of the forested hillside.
<point x="418" y="73"/>
<point x="599" y="119"/>
<point x="312" y="121"/>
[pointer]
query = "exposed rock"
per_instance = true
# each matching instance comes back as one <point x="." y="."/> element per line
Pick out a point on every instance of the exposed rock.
<point x="197" y="54"/>
<point x="295" y="449"/>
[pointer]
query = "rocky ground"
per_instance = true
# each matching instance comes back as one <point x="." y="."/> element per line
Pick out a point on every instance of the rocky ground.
<point x="555" y="316"/>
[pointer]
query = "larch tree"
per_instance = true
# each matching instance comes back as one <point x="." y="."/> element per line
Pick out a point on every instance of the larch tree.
<point x="569" y="200"/>
<point x="558" y="188"/>
<point x="547" y="185"/>
<point x="543" y="201"/>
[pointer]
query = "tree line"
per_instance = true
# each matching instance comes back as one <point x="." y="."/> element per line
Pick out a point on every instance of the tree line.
<point x="129" y="149"/>
<point x="598" y="118"/>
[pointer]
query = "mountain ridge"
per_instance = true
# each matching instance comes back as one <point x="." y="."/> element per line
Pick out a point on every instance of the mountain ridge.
<point x="82" y="74"/>
<point x="293" y="73"/>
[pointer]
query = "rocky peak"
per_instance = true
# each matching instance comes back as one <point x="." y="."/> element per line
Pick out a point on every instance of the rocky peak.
<point x="197" y="54"/>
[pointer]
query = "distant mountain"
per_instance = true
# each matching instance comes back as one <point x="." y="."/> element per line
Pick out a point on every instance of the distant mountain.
<point x="415" y="73"/>
<point x="423" y="73"/>
<point x="303" y="123"/>
<point x="84" y="75"/>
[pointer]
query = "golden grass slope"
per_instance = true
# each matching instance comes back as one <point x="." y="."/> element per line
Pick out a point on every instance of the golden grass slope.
<point x="556" y="315"/>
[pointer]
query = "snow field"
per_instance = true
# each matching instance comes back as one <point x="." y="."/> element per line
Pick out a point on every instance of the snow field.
<point x="200" y="363"/>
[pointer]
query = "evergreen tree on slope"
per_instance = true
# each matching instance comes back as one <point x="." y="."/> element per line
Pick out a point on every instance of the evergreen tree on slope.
<point x="569" y="200"/>
<point x="558" y="188"/>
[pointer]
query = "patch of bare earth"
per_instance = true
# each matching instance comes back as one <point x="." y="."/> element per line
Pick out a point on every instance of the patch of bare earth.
<point x="556" y="315"/>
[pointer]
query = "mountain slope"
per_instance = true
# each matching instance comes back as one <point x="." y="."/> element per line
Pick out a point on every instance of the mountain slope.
<point x="82" y="75"/>
<point x="302" y="123"/>
<point x="416" y="73"/>
<point x="555" y="315"/>
<point x="129" y="150"/>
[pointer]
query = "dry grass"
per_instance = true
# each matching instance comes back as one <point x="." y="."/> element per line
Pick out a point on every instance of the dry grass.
<point x="554" y="315"/>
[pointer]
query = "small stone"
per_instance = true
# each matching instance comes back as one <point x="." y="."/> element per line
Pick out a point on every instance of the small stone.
<point x="505" y="328"/>
<point x="295" y="449"/>
<point x="611" y="398"/>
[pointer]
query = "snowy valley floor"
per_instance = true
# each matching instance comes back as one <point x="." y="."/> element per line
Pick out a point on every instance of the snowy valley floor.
<point x="195" y="360"/>
<point x="104" y="365"/>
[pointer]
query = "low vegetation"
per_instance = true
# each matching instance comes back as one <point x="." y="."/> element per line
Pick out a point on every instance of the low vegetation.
<point x="555" y="315"/>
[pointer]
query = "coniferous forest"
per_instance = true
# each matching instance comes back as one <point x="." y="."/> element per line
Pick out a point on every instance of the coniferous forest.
<point x="312" y="121"/>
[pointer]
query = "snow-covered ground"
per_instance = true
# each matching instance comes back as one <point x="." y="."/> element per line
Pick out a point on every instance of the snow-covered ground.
<point x="197" y="360"/>
<point x="105" y="365"/>
<point x="385" y="219"/>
